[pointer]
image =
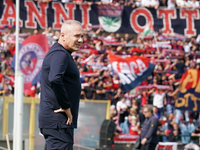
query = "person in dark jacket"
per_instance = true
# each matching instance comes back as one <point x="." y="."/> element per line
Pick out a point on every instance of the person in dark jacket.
<point x="60" y="89"/>
<point x="149" y="137"/>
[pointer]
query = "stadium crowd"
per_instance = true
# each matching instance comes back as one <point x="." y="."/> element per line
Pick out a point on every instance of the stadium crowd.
<point x="170" y="4"/>
<point x="171" y="53"/>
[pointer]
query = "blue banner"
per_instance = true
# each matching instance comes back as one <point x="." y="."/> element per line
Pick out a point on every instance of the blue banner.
<point x="131" y="70"/>
<point x="34" y="14"/>
<point x="189" y="94"/>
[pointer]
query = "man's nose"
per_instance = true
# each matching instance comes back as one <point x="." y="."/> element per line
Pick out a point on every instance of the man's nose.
<point x="80" y="40"/>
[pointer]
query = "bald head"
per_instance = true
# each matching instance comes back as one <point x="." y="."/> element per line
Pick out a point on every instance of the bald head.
<point x="67" y="25"/>
<point x="71" y="36"/>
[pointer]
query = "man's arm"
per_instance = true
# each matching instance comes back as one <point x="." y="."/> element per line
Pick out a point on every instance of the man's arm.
<point x="58" y="67"/>
<point x="153" y="128"/>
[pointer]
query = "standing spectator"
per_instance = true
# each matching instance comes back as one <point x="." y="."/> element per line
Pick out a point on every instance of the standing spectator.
<point x="89" y="92"/>
<point x="171" y="4"/>
<point x="100" y="91"/>
<point x="149" y="135"/>
<point x="134" y="105"/>
<point x="107" y="84"/>
<point x="159" y="101"/>
<point x="155" y="112"/>
<point x="122" y="109"/>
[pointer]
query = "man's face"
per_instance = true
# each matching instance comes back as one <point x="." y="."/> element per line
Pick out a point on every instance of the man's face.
<point x="146" y="113"/>
<point x="73" y="38"/>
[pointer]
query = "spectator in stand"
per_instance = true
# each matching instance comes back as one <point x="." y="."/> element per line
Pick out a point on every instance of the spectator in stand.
<point x="146" y="3"/>
<point x="132" y="114"/>
<point x="195" y="135"/>
<point x="89" y="92"/>
<point x="173" y="136"/>
<point x="179" y="67"/>
<point x="161" y="133"/>
<point x="159" y="101"/>
<point x="171" y="4"/>
<point x="155" y="112"/>
<point x="184" y="4"/>
<point x="170" y="101"/>
<point x="194" y="4"/>
<point x="134" y="128"/>
<point x="126" y="38"/>
<point x="163" y="3"/>
<point x="100" y="91"/>
<point x="115" y="82"/>
<point x="116" y="95"/>
<point x="122" y="109"/>
<point x="134" y="105"/>
<point x="113" y="113"/>
<point x="107" y="85"/>
<point x="144" y="95"/>
<point x="35" y="32"/>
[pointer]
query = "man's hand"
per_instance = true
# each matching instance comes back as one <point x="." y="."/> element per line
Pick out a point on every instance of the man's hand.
<point x="143" y="141"/>
<point x="68" y="113"/>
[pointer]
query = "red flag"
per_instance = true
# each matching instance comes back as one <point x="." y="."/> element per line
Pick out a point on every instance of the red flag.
<point x="31" y="56"/>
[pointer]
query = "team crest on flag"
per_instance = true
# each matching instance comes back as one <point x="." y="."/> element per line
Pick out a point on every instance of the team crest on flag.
<point x="31" y="56"/>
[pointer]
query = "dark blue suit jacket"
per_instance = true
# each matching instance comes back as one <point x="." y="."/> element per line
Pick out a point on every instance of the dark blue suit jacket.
<point x="60" y="88"/>
<point x="149" y="130"/>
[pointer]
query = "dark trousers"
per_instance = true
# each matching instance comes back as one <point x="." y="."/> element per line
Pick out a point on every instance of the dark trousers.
<point x="148" y="146"/>
<point x="58" y="139"/>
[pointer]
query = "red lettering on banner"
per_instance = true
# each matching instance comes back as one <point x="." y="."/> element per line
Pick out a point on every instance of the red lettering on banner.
<point x="189" y="15"/>
<point x="161" y="146"/>
<point x="167" y="15"/>
<point x="61" y="15"/>
<point x="140" y="12"/>
<point x="85" y="15"/>
<point x="169" y="147"/>
<point x="9" y="13"/>
<point x="33" y="13"/>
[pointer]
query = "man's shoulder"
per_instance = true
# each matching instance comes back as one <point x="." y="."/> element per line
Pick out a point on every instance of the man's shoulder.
<point x="57" y="48"/>
<point x="153" y="118"/>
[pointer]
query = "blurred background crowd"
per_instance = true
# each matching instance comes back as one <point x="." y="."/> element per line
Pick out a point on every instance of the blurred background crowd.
<point x="170" y="4"/>
<point x="171" y="53"/>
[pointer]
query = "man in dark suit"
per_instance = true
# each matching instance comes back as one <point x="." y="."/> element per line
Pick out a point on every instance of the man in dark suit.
<point x="149" y="137"/>
<point x="60" y="89"/>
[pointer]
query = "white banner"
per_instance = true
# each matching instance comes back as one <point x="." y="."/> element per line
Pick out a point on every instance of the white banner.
<point x="167" y="146"/>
